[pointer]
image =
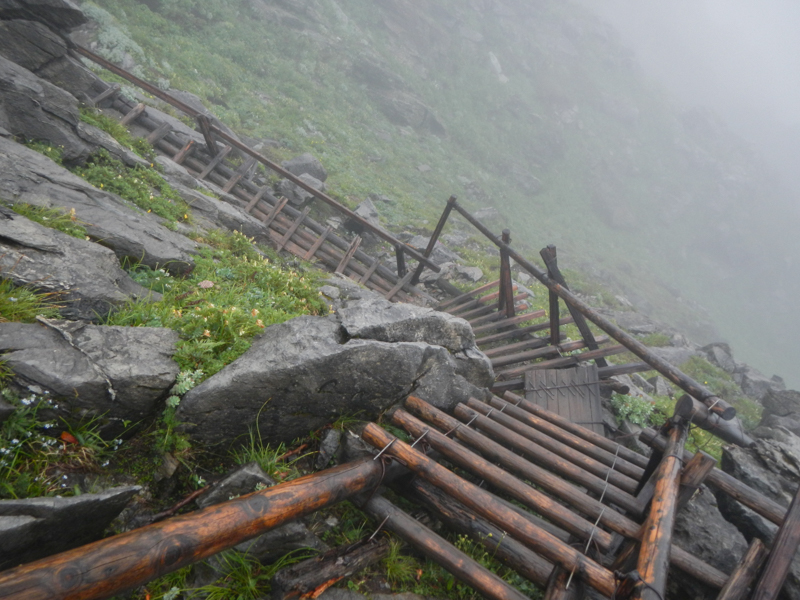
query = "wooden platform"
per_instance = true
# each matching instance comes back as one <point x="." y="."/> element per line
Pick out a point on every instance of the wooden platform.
<point x="572" y="393"/>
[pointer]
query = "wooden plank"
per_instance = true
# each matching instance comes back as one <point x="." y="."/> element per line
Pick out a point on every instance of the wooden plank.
<point x="240" y="172"/>
<point x="528" y="355"/>
<point x="133" y="114"/>
<point x="531" y="344"/>
<point x="503" y="323"/>
<point x="205" y="128"/>
<point x="494" y="316"/>
<point x="583" y="356"/>
<point x="784" y="548"/>
<point x="184" y="152"/>
<point x="517" y="333"/>
<point x="275" y="211"/>
<point x="506" y="302"/>
<point x="295" y="224"/>
<point x="212" y="164"/>
<point x="256" y="198"/>
<point x="467" y="295"/>
<point x="348" y="256"/>
<point x="745" y="572"/>
<point x="159" y="133"/>
<point x="315" y="246"/>
<point x="400" y="284"/>
<point x="368" y="273"/>
<point x="109" y="92"/>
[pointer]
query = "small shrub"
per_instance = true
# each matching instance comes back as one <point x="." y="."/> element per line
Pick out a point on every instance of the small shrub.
<point x="632" y="408"/>
<point x="62" y="220"/>
<point x="118" y="131"/>
<point x="21" y="305"/>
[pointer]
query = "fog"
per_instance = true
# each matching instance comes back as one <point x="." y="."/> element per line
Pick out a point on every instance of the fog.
<point x="738" y="57"/>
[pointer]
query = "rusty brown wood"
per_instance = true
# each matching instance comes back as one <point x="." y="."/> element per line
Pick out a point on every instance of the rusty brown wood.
<point x="745" y="573"/>
<point x="506" y="300"/>
<point x="517" y="333"/>
<point x="282" y="202"/>
<point x="693" y="476"/>
<point x="503" y="323"/>
<point x="504" y="481"/>
<point x="368" y="273"/>
<point x="467" y="296"/>
<point x="559" y="588"/>
<point x="769" y="509"/>
<point x="781" y="555"/>
<point x="546" y="459"/>
<point x="237" y="176"/>
<point x="212" y="164"/>
<point x="618" y="462"/>
<point x="256" y="199"/>
<point x="486" y="506"/>
<point x="577" y="430"/>
<point x="653" y="563"/>
<point x="110" y="91"/>
<point x="497" y="542"/>
<point x="568" y="361"/>
<point x="482" y="301"/>
<point x="479" y="307"/>
<point x="315" y="246"/>
<point x="698" y="413"/>
<point x="112" y="565"/>
<point x="133" y="114"/>
<point x="184" y="152"/>
<point x="489" y="314"/>
<point x="440" y="551"/>
<point x="557" y="448"/>
<point x="529" y="355"/>
<point x="348" y="256"/>
<point x="295" y="225"/>
<point x="155" y="135"/>
<point x="675" y="375"/>
<point x="558" y="487"/>
<point x="434" y="238"/>
<point x="530" y="344"/>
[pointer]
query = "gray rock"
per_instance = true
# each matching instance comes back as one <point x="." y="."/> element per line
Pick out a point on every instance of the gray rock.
<point x="473" y="274"/>
<point x="59" y="14"/>
<point x="71" y="75"/>
<point x="674" y="356"/>
<point x="375" y="318"/>
<point x="306" y="163"/>
<point x="782" y="408"/>
<point x="175" y="173"/>
<point x="441" y="254"/>
<point x="6" y="410"/>
<point x="304" y="373"/>
<point x="661" y="387"/>
<point x="29" y="177"/>
<point x="701" y="530"/>
<point x="38" y="110"/>
<point x="643" y="384"/>
<point x="405" y="109"/>
<point x="84" y="276"/>
<point x="295" y="193"/>
<point x="328" y="447"/>
<point x="240" y="481"/>
<point x="111" y="373"/>
<point x="754" y="384"/>
<point x="635" y="322"/>
<point x="719" y="354"/>
<point x="367" y="211"/>
<point x="30" y="44"/>
<point x="34" y="528"/>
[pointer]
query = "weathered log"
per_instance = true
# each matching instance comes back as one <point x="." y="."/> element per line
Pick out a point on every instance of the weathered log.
<point x="529" y="344"/>
<point x="434" y="238"/>
<point x="488" y="314"/>
<point x="439" y="550"/>
<point x="483" y="504"/>
<point x="502" y="480"/>
<point x="581" y="432"/>
<point x="107" y="567"/>
<point x="550" y="461"/>
<point x="558" y="487"/>
<point x="554" y="431"/>
<point x="466" y="296"/>
<point x="745" y="572"/>
<point x="653" y="564"/>
<point x="694" y="475"/>
<point x="517" y="332"/>
<point x="560" y="586"/>
<point x="675" y="375"/>
<point x="540" y="353"/>
<point x="698" y="413"/>
<point x="769" y="509"/>
<point x="304" y="578"/>
<point x="505" y="303"/>
<point x="784" y="547"/>
<point x="499" y="544"/>
<point x="503" y="322"/>
<point x="607" y="472"/>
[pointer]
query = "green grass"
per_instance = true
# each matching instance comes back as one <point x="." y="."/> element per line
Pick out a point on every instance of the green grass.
<point x="118" y="131"/>
<point x="55" y="218"/>
<point x="22" y="305"/>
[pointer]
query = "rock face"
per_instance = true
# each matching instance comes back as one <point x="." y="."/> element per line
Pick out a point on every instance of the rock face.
<point x="29" y="177"/>
<point x="306" y="163"/>
<point x="59" y="14"/>
<point x="86" y="371"/>
<point x="37" y="527"/>
<point x="85" y="277"/>
<point x="295" y="193"/>
<point x="306" y="372"/>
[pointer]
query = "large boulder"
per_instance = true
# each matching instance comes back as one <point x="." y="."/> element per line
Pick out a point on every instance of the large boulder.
<point x="781" y="410"/>
<point x="30" y="44"/>
<point x="295" y="193"/>
<point x="38" y="110"/>
<point x="306" y="163"/>
<point x="441" y="254"/>
<point x="307" y="372"/>
<point x="114" y="374"/>
<point x="755" y="384"/>
<point x="29" y="177"/>
<point x="83" y="276"/>
<point x="58" y="14"/>
<point x="34" y="528"/>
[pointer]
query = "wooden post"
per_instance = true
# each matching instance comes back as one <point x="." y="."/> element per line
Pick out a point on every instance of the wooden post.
<point x="368" y="273"/>
<point x="485" y="505"/>
<point x="745" y="572"/>
<point x="519" y="333"/>
<point x="315" y="246"/>
<point x="279" y="206"/>
<point x="653" y="563"/>
<point x="440" y="551"/>
<point x="401" y="261"/>
<point x="184" y="152"/>
<point x="694" y="474"/>
<point x="292" y="228"/>
<point x="434" y="238"/>
<point x="214" y="162"/>
<point x="205" y="128"/>
<point x="237" y="176"/>
<point x="506" y="300"/>
<point x="466" y="296"/>
<point x="698" y="413"/>
<point x="781" y="555"/>
<point x="110" y="91"/>
<point x="159" y="133"/>
<point x="348" y="256"/>
<point x="133" y="114"/>
<point x="112" y="565"/>
<point x="256" y="198"/>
